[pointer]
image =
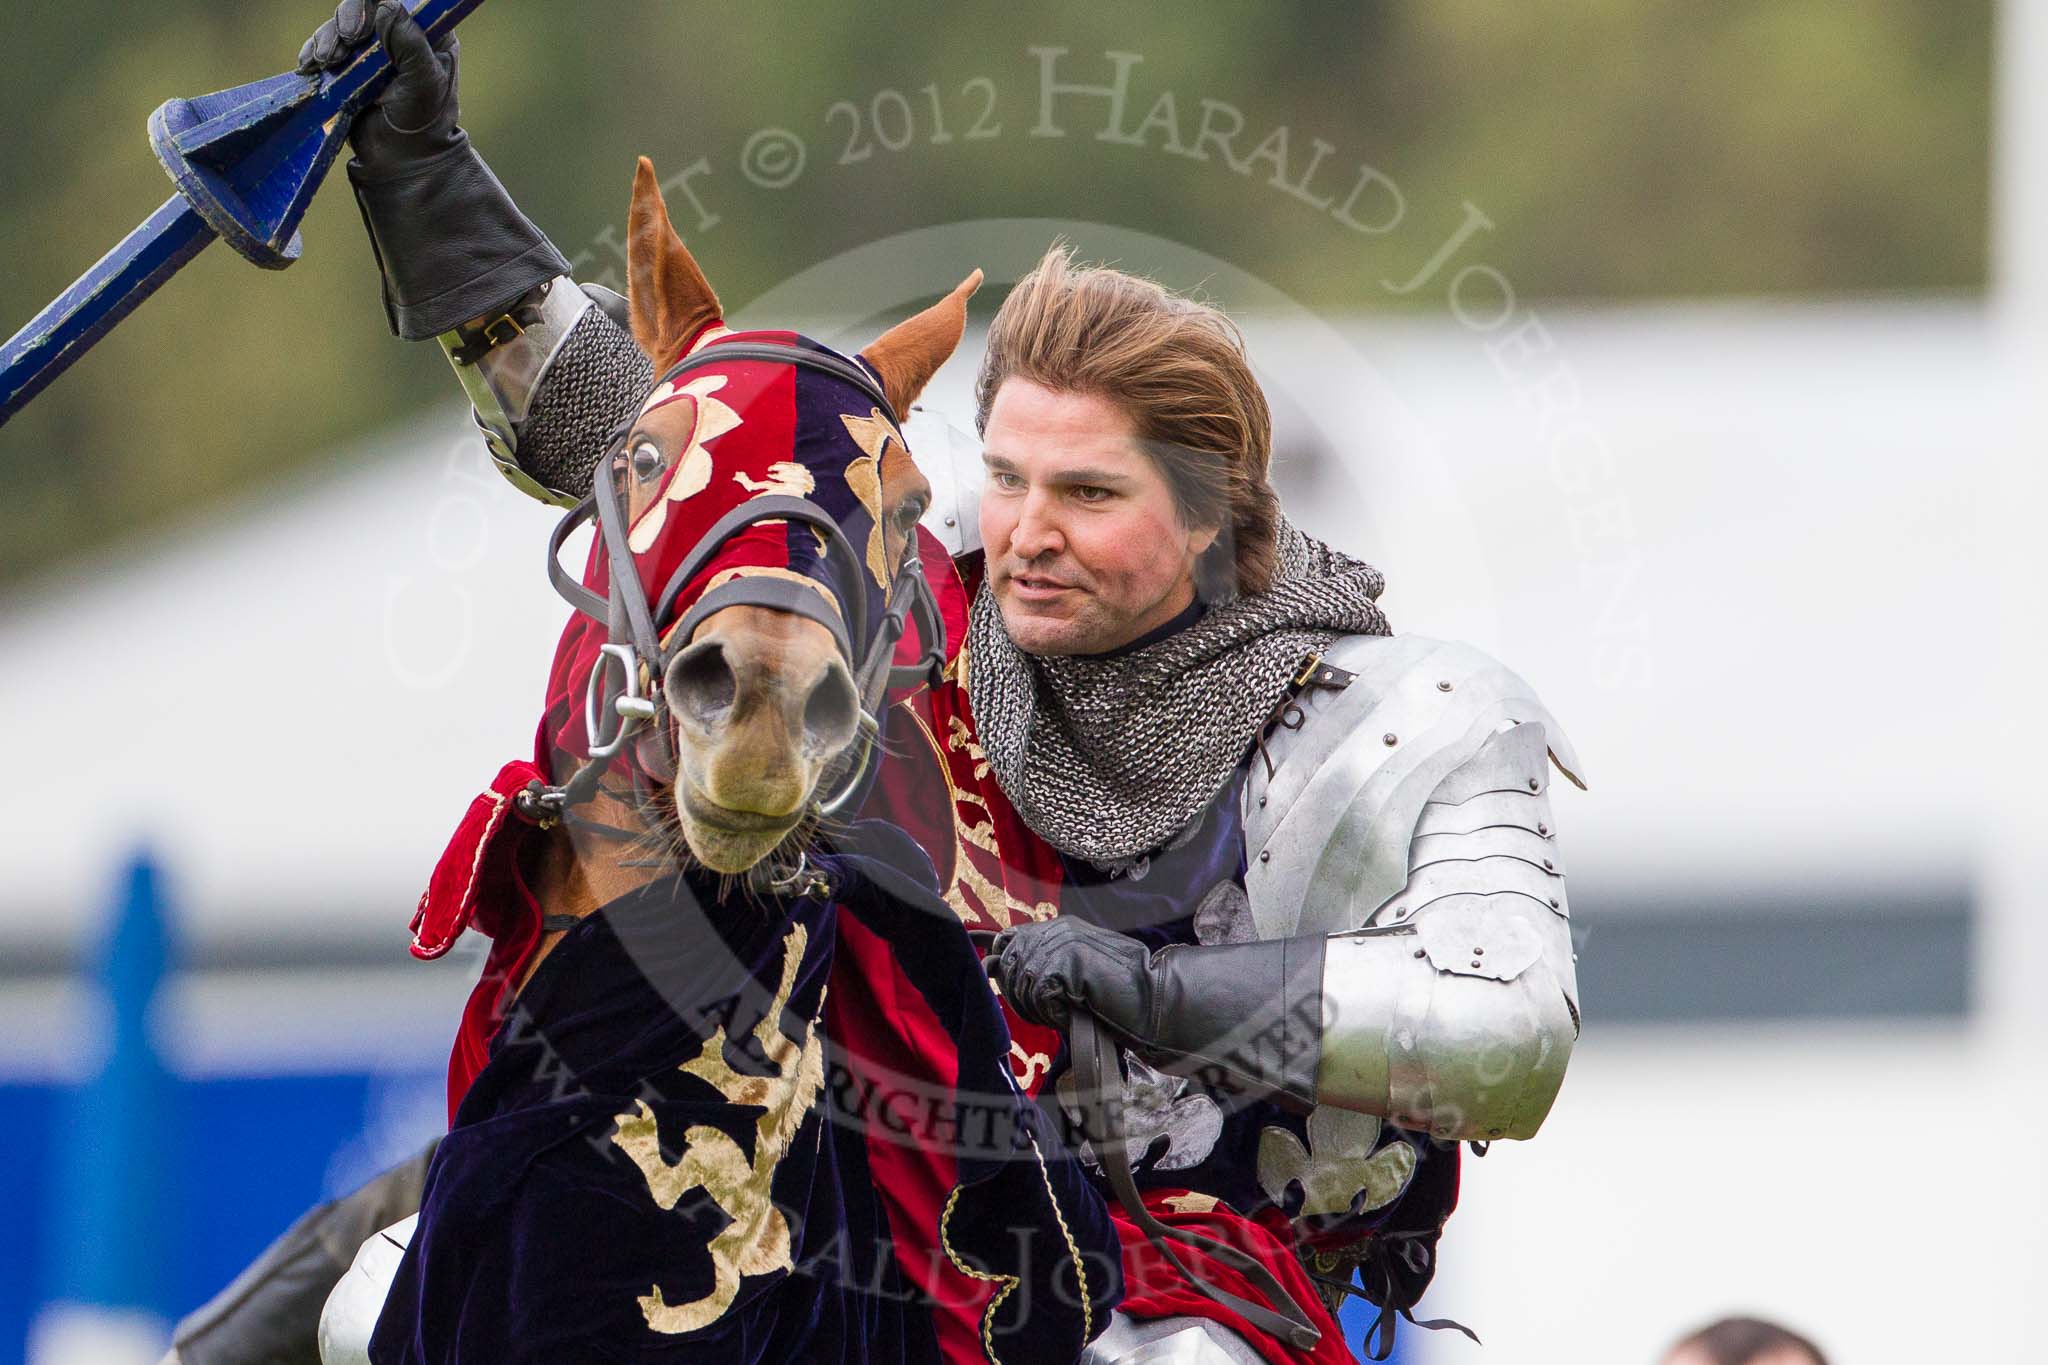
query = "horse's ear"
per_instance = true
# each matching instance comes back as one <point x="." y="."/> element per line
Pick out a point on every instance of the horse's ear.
<point x="670" y="299"/>
<point x="910" y="353"/>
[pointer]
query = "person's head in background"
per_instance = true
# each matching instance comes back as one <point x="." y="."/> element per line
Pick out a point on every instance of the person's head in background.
<point x="1744" y="1341"/>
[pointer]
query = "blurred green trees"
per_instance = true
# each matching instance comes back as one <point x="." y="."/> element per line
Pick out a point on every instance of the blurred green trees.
<point x="1618" y="147"/>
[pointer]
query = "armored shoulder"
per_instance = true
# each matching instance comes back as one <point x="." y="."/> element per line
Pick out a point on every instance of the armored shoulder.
<point x="1332" y="810"/>
<point x="1403" y="812"/>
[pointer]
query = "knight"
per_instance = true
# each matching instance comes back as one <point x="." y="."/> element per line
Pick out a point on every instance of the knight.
<point x="1275" y="896"/>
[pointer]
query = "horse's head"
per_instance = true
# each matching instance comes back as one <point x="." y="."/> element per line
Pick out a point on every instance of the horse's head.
<point x="764" y="612"/>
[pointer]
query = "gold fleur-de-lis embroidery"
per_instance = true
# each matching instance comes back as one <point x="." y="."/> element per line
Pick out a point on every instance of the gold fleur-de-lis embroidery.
<point x="693" y="466"/>
<point x="757" y="1239"/>
<point x="784" y="476"/>
<point x="872" y="434"/>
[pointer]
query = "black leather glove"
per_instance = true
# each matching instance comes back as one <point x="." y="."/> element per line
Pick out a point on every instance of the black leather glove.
<point x="1048" y="967"/>
<point x="270" y="1315"/>
<point x="449" y="241"/>
<point x="415" y="115"/>
<point x="1249" y="1013"/>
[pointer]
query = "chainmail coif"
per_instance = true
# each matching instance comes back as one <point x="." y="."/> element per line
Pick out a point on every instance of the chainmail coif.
<point x="1106" y="757"/>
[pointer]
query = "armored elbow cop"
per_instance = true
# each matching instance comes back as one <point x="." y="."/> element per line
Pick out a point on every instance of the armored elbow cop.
<point x="1407" y="820"/>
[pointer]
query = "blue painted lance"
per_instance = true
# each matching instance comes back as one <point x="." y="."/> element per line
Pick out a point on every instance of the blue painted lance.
<point x="246" y="162"/>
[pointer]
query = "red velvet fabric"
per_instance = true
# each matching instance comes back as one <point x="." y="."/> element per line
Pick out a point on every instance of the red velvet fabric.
<point x="1153" y="1288"/>
<point x="477" y="884"/>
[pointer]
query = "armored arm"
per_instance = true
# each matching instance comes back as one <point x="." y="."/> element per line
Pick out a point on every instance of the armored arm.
<point x="1413" y="956"/>
<point x="1407" y="819"/>
<point x="549" y="368"/>
<point x="1454" y="1009"/>
<point x="549" y="378"/>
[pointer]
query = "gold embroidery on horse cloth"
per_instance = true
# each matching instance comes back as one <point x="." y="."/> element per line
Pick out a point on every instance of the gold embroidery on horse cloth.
<point x="756" y="1241"/>
<point x="1010" y="1282"/>
<point x="958" y="737"/>
<point x="992" y="905"/>
<point x="864" y="476"/>
<point x="786" y="477"/>
<point x="710" y="419"/>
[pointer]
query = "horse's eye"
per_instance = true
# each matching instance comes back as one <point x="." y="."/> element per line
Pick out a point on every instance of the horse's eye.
<point x="910" y="512"/>
<point x="646" y="461"/>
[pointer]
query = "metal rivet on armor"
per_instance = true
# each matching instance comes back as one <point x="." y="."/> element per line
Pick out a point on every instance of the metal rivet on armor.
<point x="1389" y="739"/>
<point x="1400" y="912"/>
<point x="1532" y="784"/>
<point x="1495" y="1132"/>
<point x="1262" y="800"/>
<point x="1422" y="952"/>
<point x="1549" y="866"/>
<point x="1475" y="962"/>
<point x="1479" y="952"/>
<point x="949" y="521"/>
<point x="1542" y="829"/>
<point x="1553" y="902"/>
<point x="1266" y="855"/>
<point x="1443" y="687"/>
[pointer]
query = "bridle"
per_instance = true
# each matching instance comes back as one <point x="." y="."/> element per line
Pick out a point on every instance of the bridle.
<point x="619" y="706"/>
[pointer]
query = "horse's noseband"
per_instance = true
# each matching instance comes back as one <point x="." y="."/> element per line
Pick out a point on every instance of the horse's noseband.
<point x="618" y="707"/>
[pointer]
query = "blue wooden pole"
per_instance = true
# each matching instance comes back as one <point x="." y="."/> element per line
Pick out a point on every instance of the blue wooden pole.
<point x="105" y="294"/>
<point x="246" y="162"/>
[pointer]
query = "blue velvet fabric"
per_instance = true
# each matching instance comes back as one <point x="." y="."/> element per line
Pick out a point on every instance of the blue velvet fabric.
<point x="540" y="1237"/>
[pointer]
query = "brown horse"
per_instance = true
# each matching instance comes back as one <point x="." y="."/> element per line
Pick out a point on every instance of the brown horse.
<point x="760" y="705"/>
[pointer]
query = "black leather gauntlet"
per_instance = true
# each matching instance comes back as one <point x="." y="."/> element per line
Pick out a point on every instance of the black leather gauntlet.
<point x="450" y="243"/>
<point x="1247" y="1015"/>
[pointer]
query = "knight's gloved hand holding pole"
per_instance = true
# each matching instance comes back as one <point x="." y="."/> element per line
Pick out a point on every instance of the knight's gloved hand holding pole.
<point x="451" y="244"/>
<point x="462" y="264"/>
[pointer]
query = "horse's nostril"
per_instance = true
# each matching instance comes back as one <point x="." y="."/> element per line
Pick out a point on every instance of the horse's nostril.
<point x="700" y="682"/>
<point x="832" y="709"/>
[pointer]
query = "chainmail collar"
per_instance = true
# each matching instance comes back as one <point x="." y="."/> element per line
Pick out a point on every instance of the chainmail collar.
<point x="1106" y="757"/>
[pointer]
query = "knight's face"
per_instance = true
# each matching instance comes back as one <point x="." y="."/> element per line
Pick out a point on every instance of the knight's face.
<point x="1085" y="547"/>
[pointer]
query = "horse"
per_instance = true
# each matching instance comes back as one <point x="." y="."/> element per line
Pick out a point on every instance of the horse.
<point x="639" y="1163"/>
